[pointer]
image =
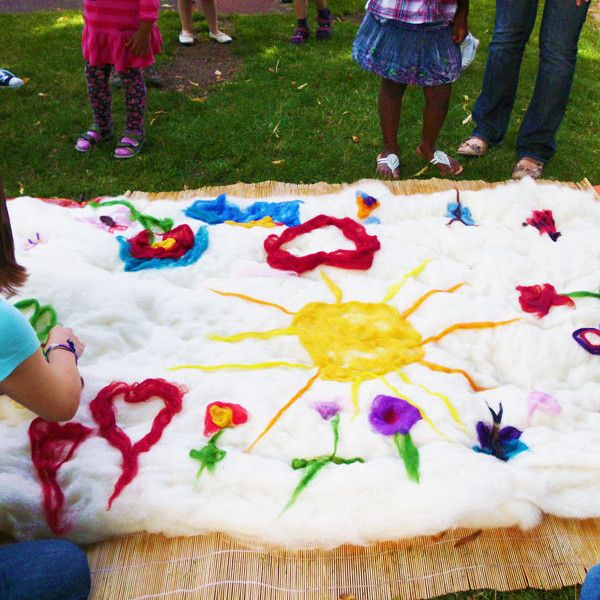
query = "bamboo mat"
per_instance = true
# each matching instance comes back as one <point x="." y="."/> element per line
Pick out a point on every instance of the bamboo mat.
<point x="277" y="188"/>
<point x="214" y="566"/>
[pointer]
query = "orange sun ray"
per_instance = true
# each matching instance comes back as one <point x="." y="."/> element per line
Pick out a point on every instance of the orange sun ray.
<point x="435" y="367"/>
<point x="415" y="306"/>
<point x="474" y="325"/>
<point x="280" y="412"/>
<point x="255" y="300"/>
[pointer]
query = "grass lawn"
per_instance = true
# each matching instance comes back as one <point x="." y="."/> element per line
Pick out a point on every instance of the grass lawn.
<point x="290" y="114"/>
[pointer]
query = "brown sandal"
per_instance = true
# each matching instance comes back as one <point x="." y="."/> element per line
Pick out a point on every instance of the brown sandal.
<point x="474" y="146"/>
<point x="528" y="167"/>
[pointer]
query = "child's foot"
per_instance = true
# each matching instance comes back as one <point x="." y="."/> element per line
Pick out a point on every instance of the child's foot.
<point x="92" y="137"/>
<point x="131" y="145"/>
<point x="324" y="22"/>
<point x="151" y="77"/>
<point x="220" y="36"/>
<point x="186" y="38"/>
<point x="8" y="79"/>
<point x="300" y="36"/>
<point x="388" y="166"/>
<point x="115" y="79"/>
<point x="445" y="164"/>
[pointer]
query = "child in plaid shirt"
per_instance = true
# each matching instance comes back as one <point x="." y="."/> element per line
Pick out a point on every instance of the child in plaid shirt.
<point x="413" y="42"/>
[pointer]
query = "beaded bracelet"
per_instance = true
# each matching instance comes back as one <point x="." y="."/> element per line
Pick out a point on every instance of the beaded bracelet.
<point x="69" y="347"/>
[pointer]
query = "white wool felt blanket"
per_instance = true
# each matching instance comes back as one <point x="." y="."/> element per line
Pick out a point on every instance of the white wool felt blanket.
<point x="136" y="325"/>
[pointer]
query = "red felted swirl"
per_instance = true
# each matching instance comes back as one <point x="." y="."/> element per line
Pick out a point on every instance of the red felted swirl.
<point x="359" y="258"/>
<point x="103" y="411"/>
<point x="52" y="445"/>
<point x="140" y="246"/>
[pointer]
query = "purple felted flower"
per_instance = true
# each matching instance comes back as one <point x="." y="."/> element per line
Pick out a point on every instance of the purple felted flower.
<point x="390" y="415"/>
<point x="327" y="410"/>
<point x="503" y="443"/>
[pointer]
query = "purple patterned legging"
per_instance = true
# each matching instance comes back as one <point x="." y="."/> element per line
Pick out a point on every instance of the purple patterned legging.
<point x="98" y="89"/>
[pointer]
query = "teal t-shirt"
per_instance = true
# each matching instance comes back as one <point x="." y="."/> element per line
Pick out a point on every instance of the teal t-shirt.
<point x="17" y="339"/>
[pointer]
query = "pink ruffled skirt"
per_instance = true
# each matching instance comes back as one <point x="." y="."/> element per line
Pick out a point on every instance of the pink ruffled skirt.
<point x="107" y="47"/>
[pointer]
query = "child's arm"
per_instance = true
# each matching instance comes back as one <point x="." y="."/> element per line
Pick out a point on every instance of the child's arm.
<point x="139" y="44"/>
<point x="460" y="27"/>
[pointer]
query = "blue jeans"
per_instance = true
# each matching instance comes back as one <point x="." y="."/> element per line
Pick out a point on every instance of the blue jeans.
<point x="591" y="585"/>
<point x="562" y="21"/>
<point x="43" y="570"/>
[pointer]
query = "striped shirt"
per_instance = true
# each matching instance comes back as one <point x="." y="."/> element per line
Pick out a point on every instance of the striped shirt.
<point x="414" y="11"/>
<point x="120" y="15"/>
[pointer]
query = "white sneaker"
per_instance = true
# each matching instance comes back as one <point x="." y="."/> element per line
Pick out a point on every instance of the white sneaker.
<point x="468" y="50"/>
<point x="8" y="79"/>
<point x="186" y="39"/>
<point x="221" y="37"/>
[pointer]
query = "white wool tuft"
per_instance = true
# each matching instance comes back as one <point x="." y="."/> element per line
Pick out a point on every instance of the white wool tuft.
<point x="137" y="325"/>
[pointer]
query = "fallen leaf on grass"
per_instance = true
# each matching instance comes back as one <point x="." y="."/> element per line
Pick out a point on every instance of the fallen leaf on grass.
<point x="218" y="75"/>
<point x="301" y="87"/>
<point x="468" y="538"/>
<point x="422" y="171"/>
<point x="157" y="114"/>
<point x="21" y="188"/>
<point x="467" y="119"/>
<point x="26" y="79"/>
<point x="355" y="139"/>
<point x="42" y="94"/>
<point x="199" y="99"/>
<point x="194" y="83"/>
<point x="278" y="162"/>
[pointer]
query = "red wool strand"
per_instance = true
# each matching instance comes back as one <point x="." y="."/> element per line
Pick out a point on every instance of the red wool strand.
<point x="52" y="445"/>
<point x="103" y="411"/>
<point x="359" y="258"/>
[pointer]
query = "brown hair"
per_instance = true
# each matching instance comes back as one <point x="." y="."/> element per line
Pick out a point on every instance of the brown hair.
<point x="12" y="274"/>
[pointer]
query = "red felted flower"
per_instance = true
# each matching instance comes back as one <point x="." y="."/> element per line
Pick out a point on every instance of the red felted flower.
<point x="359" y="258"/>
<point x="172" y="244"/>
<point x="222" y="414"/>
<point x="539" y="299"/>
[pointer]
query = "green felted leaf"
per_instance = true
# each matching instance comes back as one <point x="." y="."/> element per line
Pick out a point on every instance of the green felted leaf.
<point x="311" y="470"/>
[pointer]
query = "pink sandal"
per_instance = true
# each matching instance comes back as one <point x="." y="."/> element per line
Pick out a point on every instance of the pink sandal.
<point x="300" y="36"/>
<point x="92" y="137"/>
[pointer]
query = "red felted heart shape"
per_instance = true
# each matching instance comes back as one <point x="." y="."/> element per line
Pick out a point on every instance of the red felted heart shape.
<point x="359" y="258"/>
<point x="103" y="411"/>
<point x="52" y="445"/>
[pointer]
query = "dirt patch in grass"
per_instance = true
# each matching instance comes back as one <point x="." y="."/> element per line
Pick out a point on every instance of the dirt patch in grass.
<point x="194" y="69"/>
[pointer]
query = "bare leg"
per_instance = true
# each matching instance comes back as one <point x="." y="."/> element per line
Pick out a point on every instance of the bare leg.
<point x="301" y="9"/>
<point x="437" y="100"/>
<point x="209" y="8"/>
<point x="390" y="105"/>
<point x="185" y="14"/>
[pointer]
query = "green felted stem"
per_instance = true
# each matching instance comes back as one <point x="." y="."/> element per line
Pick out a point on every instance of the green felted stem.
<point x="209" y="455"/>
<point x="312" y="469"/>
<point x="409" y="454"/>
<point x="43" y="318"/>
<point x="146" y="221"/>
<point x="582" y="295"/>
<point x="335" y="425"/>
<point x="336" y="460"/>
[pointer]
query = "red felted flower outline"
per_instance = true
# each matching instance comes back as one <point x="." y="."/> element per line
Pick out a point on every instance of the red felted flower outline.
<point x="239" y="416"/>
<point x="140" y="246"/>
<point x="103" y="411"/>
<point x="52" y="445"/>
<point x="539" y="299"/>
<point x="359" y="258"/>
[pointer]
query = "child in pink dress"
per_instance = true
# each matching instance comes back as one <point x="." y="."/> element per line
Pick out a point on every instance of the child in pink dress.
<point x="123" y="34"/>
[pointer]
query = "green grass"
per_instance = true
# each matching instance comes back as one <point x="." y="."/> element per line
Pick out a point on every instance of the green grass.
<point x="260" y="117"/>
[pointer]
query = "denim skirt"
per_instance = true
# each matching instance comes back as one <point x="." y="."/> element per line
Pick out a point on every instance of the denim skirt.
<point x="411" y="54"/>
